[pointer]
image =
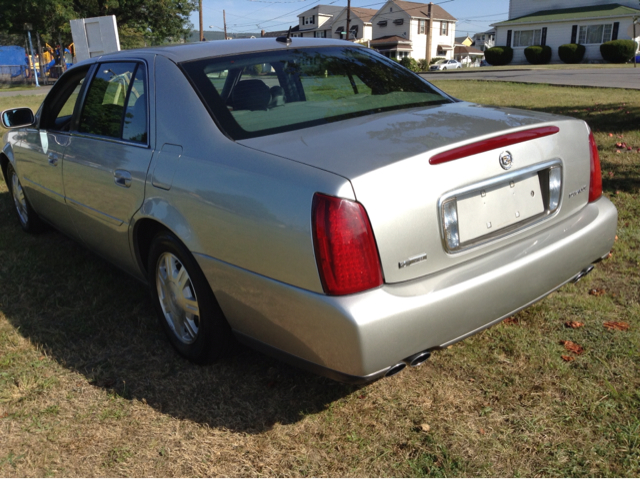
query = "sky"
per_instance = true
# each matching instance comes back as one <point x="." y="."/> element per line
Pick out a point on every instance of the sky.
<point x="271" y="15"/>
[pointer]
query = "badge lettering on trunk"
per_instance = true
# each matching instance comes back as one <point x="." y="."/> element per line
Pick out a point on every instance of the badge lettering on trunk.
<point x="410" y="261"/>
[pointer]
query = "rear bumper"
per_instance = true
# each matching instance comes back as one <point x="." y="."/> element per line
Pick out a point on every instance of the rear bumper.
<point x="358" y="338"/>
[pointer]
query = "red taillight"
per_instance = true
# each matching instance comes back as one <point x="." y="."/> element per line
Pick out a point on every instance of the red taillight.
<point x="346" y="250"/>
<point x="595" y="182"/>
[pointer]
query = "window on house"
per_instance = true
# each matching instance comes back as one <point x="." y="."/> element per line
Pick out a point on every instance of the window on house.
<point x="383" y="23"/>
<point x="526" y="38"/>
<point x="594" y="33"/>
<point x="444" y="28"/>
<point x="422" y="26"/>
<point x="398" y="21"/>
<point x="322" y="34"/>
<point x="301" y="20"/>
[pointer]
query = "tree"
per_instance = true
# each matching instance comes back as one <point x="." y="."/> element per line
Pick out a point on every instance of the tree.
<point x="140" y="22"/>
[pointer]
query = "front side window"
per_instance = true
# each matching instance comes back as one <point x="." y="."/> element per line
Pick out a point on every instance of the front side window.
<point x="58" y="109"/>
<point x="421" y="26"/>
<point x="304" y="87"/>
<point x="594" y="33"/>
<point x="115" y="104"/>
<point x="444" y="28"/>
<point x="526" y="38"/>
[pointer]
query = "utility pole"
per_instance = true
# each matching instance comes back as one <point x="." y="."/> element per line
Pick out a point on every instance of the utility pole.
<point x="348" y="18"/>
<point x="224" y="19"/>
<point x="201" y="28"/>
<point x="429" y="25"/>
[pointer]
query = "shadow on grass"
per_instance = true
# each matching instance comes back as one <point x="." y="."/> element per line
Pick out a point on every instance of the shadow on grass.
<point x="93" y="319"/>
<point x="607" y="117"/>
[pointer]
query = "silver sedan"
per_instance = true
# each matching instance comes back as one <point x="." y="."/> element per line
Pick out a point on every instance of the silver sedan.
<point x="310" y="198"/>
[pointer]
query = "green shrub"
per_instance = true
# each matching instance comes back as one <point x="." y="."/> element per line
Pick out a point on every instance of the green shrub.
<point x="436" y="59"/>
<point x="410" y="63"/>
<point x="499" y="55"/>
<point x="423" y="65"/>
<point x="538" y="54"/>
<point x="618" y="51"/>
<point x="571" y="52"/>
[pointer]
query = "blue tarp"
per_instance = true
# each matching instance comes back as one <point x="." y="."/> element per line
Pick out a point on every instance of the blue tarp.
<point x="12" y="56"/>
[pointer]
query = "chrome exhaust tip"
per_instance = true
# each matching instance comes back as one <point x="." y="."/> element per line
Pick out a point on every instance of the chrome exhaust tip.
<point x="582" y="274"/>
<point x="418" y="359"/>
<point x="393" y="370"/>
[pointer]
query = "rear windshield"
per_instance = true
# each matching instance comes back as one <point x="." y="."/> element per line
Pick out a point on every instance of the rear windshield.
<point x="270" y="92"/>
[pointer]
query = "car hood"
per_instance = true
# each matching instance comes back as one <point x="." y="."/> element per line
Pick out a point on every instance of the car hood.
<point x="357" y="146"/>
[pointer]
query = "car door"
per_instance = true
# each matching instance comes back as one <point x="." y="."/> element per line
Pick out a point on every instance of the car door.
<point x="107" y="158"/>
<point x="39" y="157"/>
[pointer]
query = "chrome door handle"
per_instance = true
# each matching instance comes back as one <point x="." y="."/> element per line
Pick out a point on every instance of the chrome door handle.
<point x="122" y="178"/>
<point x="53" y="159"/>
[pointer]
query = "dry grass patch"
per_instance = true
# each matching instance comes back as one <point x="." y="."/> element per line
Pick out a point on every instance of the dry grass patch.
<point x="89" y="386"/>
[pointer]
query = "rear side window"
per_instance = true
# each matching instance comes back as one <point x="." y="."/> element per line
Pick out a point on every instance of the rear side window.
<point x="115" y="104"/>
<point x="270" y="92"/>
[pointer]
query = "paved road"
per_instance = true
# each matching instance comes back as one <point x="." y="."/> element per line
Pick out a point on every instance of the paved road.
<point x="43" y="90"/>
<point x="596" y="77"/>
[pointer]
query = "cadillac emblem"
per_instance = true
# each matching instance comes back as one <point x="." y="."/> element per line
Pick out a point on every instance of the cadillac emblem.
<point x="506" y="160"/>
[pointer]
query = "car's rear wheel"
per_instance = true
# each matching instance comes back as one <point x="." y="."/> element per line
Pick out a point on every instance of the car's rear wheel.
<point x="28" y="218"/>
<point x="186" y="307"/>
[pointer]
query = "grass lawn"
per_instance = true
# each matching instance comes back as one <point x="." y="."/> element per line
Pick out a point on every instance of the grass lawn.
<point x="89" y="386"/>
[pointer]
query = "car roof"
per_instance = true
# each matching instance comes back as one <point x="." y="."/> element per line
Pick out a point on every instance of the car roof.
<point x="193" y="51"/>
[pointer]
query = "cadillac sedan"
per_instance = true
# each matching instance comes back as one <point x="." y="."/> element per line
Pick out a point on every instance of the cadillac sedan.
<point x="310" y="198"/>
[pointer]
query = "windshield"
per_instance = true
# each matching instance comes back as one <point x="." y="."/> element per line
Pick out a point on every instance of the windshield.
<point x="270" y="92"/>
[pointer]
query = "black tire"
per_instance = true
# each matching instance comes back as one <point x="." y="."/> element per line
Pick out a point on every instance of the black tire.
<point x="203" y="337"/>
<point x="27" y="217"/>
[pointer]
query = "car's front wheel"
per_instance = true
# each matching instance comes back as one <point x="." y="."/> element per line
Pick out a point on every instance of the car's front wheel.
<point x="28" y="218"/>
<point x="185" y="304"/>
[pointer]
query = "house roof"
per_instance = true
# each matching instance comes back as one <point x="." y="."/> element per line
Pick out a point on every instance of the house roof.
<point x="389" y="39"/>
<point x="468" y="50"/>
<point x="573" y="14"/>
<point x="323" y="10"/>
<point x="462" y="39"/>
<point x="364" y="14"/>
<point x="421" y="10"/>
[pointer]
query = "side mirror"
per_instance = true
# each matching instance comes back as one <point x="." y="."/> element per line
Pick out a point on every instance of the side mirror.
<point x="17" y="118"/>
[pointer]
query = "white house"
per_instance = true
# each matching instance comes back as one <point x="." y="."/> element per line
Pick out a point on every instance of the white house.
<point x="317" y="21"/>
<point x="400" y="30"/>
<point x="556" y="22"/>
<point x="484" y="40"/>
<point x="359" y="24"/>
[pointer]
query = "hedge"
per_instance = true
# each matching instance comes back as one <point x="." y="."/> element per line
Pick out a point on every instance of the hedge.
<point x="499" y="55"/>
<point x="410" y="63"/>
<point x="571" y="52"/>
<point x="618" y="51"/>
<point x="538" y="54"/>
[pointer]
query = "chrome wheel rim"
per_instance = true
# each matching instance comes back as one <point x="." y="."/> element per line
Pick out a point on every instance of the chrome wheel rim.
<point x="177" y="298"/>
<point x="19" y="199"/>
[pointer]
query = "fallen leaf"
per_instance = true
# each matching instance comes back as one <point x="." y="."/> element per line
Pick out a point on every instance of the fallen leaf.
<point x="616" y="325"/>
<point x="482" y="431"/>
<point x="42" y="358"/>
<point x="572" y="347"/>
<point x="425" y="427"/>
<point x="617" y="151"/>
<point x="611" y="174"/>
<point x="567" y="358"/>
<point x="597" y="291"/>
<point x="610" y="134"/>
<point x="573" y="324"/>
<point x="510" y="321"/>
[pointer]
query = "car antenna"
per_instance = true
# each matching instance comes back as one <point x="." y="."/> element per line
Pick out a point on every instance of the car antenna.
<point x="286" y="39"/>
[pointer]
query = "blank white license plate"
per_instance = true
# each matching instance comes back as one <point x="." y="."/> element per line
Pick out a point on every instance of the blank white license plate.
<point x="499" y="206"/>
